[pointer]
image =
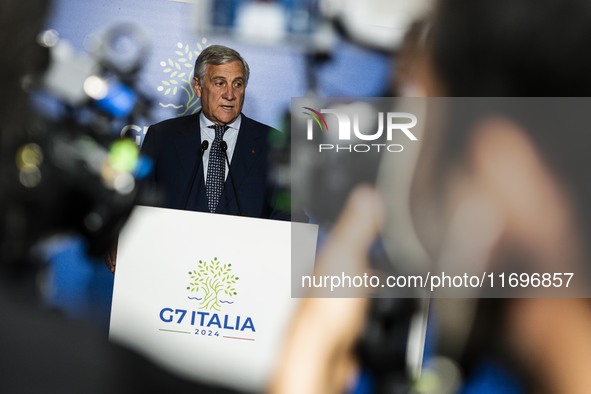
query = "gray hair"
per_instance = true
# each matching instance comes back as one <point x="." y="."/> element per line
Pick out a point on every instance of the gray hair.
<point x="217" y="55"/>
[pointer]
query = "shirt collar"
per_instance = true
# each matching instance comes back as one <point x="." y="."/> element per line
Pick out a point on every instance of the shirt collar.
<point x="205" y="123"/>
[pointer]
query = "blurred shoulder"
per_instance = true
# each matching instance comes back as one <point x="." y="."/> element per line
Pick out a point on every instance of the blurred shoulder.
<point x="180" y="123"/>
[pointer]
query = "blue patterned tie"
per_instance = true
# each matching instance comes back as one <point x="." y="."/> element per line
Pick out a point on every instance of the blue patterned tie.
<point x="216" y="169"/>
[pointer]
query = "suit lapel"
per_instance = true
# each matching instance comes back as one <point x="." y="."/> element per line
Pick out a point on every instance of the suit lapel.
<point x="248" y="150"/>
<point x="187" y="146"/>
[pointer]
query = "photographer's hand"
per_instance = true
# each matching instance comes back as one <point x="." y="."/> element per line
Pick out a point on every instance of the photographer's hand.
<point x="318" y="357"/>
<point x="111" y="258"/>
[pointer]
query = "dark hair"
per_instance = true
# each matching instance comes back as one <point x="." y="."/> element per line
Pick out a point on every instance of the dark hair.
<point x="513" y="47"/>
<point x="521" y="48"/>
<point x="216" y="55"/>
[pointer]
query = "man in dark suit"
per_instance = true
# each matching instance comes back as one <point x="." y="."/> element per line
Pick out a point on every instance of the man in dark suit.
<point x="187" y="157"/>
<point x="190" y="169"/>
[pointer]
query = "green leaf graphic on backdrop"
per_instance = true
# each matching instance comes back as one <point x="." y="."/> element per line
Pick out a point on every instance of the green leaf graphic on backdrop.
<point x="213" y="279"/>
<point x="179" y="76"/>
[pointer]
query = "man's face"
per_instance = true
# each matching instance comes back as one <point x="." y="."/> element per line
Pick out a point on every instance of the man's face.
<point x="222" y="92"/>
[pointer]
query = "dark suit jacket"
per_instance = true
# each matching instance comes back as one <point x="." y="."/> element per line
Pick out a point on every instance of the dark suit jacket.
<point x="174" y="145"/>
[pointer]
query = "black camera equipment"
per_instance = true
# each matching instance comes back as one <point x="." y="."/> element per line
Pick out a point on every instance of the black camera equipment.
<point x="65" y="166"/>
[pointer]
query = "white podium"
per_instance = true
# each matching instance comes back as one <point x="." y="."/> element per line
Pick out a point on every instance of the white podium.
<point x="207" y="296"/>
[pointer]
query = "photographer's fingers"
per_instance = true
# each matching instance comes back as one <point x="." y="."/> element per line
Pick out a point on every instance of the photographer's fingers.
<point x="318" y="356"/>
<point x="347" y="247"/>
<point x="111" y="258"/>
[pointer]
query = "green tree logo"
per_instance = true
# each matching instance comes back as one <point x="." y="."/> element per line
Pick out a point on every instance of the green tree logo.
<point x="215" y="279"/>
<point x="178" y="78"/>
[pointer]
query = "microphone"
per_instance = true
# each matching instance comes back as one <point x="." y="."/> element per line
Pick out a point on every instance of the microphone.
<point x="224" y="148"/>
<point x="198" y="164"/>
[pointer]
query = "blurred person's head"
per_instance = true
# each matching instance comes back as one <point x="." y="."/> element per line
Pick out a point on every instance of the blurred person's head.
<point x="512" y="48"/>
<point x="220" y="80"/>
<point x="517" y="176"/>
<point x="505" y="49"/>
